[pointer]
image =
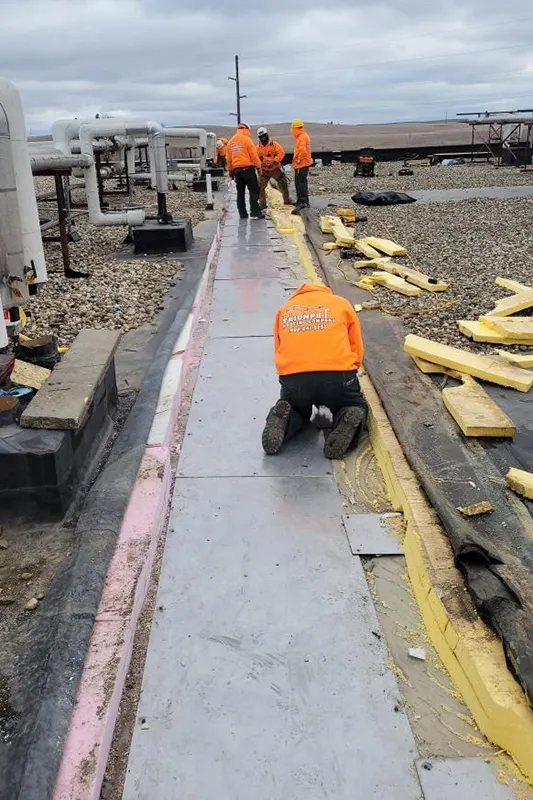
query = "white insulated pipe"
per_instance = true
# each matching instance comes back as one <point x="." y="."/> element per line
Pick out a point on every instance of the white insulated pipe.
<point x="190" y="133"/>
<point x="11" y="250"/>
<point x="211" y="145"/>
<point x="34" y="262"/>
<point x="4" y="341"/>
<point x="130" y="163"/>
<point x="209" y="188"/>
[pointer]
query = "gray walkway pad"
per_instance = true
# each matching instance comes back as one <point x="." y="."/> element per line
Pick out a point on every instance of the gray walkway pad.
<point x="235" y="389"/>
<point x="263" y="678"/>
<point x="245" y="307"/>
<point x="460" y="779"/>
<point x="246" y="262"/>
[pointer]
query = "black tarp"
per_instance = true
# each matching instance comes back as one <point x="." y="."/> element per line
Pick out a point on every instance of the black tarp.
<point x="493" y="551"/>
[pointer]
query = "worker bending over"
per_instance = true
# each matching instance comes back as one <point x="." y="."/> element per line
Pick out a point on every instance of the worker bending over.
<point x="242" y="163"/>
<point x="220" y="153"/>
<point x="271" y="154"/>
<point x="318" y="350"/>
<point x="301" y="161"/>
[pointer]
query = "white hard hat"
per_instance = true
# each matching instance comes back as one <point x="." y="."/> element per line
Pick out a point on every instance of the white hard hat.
<point x="262" y="132"/>
<point x="220" y="143"/>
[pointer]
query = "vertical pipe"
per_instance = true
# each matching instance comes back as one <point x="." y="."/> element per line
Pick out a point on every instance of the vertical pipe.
<point x="209" y="188"/>
<point x="4" y="341"/>
<point x="238" y="89"/>
<point x="62" y="216"/>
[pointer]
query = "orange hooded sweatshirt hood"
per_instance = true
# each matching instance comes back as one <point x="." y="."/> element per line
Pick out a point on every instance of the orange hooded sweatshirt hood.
<point x="241" y="151"/>
<point x="317" y="331"/>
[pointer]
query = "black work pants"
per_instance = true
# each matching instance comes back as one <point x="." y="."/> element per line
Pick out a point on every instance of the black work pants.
<point x="338" y="391"/>
<point x="301" y="186"/>
<point x="246" y="178"/>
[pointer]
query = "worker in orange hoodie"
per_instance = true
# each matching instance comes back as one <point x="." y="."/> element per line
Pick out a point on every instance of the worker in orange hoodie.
<point x="301" y="161"/>
<point x="318" y="350"/>
<point x="242" y="162"/>
<point x="271" y="154"/>
<point x="220" y="153"/>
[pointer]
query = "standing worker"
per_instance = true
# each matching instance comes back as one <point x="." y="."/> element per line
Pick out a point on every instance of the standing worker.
<point x="220" y="153"/>
<point x="242" y="163"/>
<point x="271" y="154"/>
<point x="301" y="161"/>
<point x="318" y="350"/>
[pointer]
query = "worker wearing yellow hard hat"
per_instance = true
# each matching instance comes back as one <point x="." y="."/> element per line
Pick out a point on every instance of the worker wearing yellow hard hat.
<point x="301" y="161"/>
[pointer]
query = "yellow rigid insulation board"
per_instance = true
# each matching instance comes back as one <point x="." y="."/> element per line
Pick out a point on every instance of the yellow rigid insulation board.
<point x="520" y="328"/>
<point x="512" y="305"/>
<point x="326" y="224"/>
<point x="412" y="276"/>
<point x="475" y="412"/>
<point x="385" y="246"/>
<point x="343" y="235"/>
<point x="479" y="332"/>
<point x="519" y="359"/>
<point x="513" y="286"/>
<point x="25" y="374"/>
<point x="520" y="482"/>
<point x="487" y="368"/>
<point x="366" y="249"/>
<point x="395" y="283"/>
<point x="469" y="650"/>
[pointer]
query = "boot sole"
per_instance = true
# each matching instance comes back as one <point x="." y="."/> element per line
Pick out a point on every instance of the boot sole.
<point x="276" y="428"/>
<point x="340" y="438"/>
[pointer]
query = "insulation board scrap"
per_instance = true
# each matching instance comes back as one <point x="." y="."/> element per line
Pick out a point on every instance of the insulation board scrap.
<point x="520" y="328"/>
<point x="480" y="332"/>
<point x="484" y="507"/>
<point x="385" y="246"/>
<point x="366" y="249"/>
<point x="395" y="283"/>
<point x="475" y="412"/>
<point x="479" y="366"/>
<point x="519" y="359"/>
<point x="407" y="273"/>
<point x="29" y="375"/>
<point x="513" y="286"/>
<point x="512" y="305"/>
<point x="520" y="482"/>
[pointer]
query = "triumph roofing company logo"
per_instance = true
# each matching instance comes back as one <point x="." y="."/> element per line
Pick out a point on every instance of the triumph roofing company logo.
<point x="298" y="319"/>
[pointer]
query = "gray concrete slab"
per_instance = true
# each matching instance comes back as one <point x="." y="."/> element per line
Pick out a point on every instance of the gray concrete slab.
<point x="263" y="678"/>
<point x="246" y="262"/>
<point x="63" y="401"/>
<point x="245" y="307"/>
<point x="371" y="535"/>
<point x="236" y="387"/>
<point x="460" y="779"/>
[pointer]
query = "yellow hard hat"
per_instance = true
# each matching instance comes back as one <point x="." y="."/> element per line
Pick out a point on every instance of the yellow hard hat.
<point x="297" y="123"/>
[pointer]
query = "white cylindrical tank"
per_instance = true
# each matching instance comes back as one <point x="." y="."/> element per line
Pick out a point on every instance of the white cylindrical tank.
<point x="13" y="285"/>
<point x="34" y="262"/>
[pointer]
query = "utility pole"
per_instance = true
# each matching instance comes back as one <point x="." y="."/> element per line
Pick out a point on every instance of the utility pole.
<point x="237" y="91"/>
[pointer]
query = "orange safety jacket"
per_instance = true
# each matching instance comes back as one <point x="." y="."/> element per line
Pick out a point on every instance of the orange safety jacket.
<point x="241" y="151"/>
<point x="221" y="151"/>
<point x="271" y="155"/>
<point x="317" y="331"/>
<point x="302" y="149"/>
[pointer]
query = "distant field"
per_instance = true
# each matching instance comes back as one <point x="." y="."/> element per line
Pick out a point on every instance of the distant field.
<point x="350" y="137"/>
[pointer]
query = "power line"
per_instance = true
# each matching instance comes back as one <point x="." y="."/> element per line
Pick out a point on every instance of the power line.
<point x="367" y="65"/>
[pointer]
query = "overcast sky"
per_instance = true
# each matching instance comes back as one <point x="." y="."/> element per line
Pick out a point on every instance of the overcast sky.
<point x="346" y="61"/>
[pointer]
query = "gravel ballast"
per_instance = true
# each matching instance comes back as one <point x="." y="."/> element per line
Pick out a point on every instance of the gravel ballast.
<point x="339" y="179"/>
<point x="121" y="293"/>
<point x="467" y="244"/>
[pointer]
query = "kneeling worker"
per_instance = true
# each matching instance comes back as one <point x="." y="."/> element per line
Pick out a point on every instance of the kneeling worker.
<point x="271" y="154"/>
<point x="318" y="350"/>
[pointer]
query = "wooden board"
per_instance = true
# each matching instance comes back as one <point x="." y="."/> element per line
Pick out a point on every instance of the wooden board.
<point x="520" y="482"/>
<point x="520" y="328"/>
<point x="520" y="359"/>
<point x="385" y="246"/>
<point x="479" y="332"/>
<point x="475" y="412"/>
<point x="479" y="366"/>
<point x="395" y="283"/>
<point x="29" y="375"/>
<point x="512" y="305"/>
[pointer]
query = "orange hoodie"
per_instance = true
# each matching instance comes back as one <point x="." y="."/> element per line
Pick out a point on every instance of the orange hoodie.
<point x="302" y="149"/>
<point x="317" y="331"/>
<point x="241" y="150"/>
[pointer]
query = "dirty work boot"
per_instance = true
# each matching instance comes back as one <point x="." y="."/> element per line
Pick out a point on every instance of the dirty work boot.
<point x="339" y="440"/>
<point x="276" y="427"/>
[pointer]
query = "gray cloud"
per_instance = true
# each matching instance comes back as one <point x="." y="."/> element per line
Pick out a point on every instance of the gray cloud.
<point x="364" y="62"/>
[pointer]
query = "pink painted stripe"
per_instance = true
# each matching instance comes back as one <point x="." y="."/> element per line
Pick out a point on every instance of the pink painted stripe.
<point x="93" y="720"/>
